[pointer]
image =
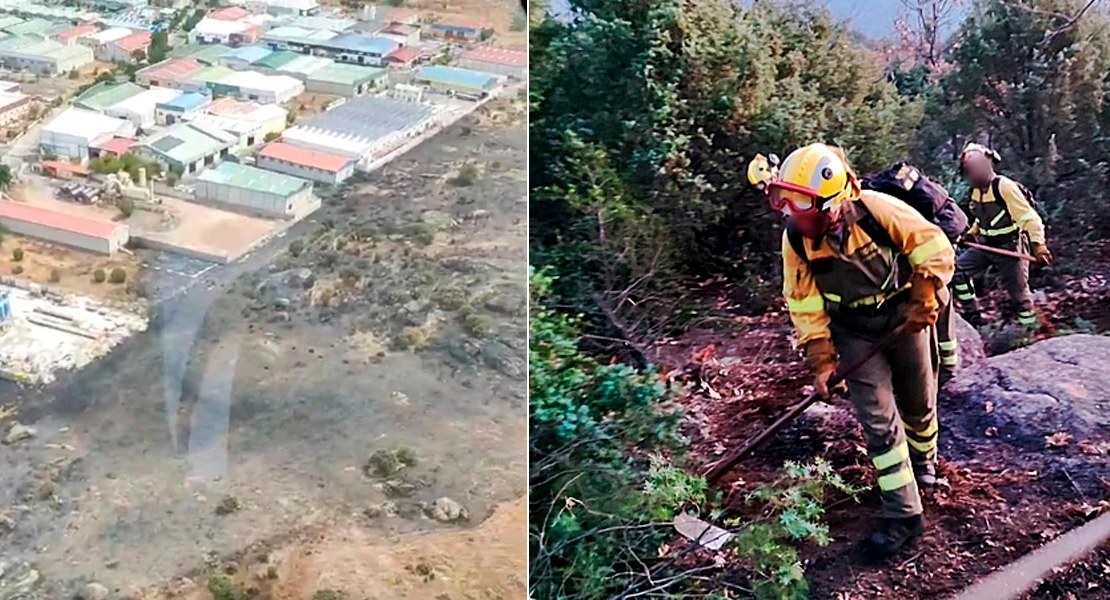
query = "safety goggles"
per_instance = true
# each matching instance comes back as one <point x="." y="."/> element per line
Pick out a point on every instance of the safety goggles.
<point x="792" y="198"/>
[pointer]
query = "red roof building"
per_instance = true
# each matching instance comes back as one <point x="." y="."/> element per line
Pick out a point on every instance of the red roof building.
<point x="63" y="170"/>
<point x="134" y="42"/>
<point x="104" y="237"/>
<point x="70" y="36"/>
<point x="405" y="56"/>
<point x="497" y="56"/>
<point x="167" y="72"/>
<point x="231" y="13"/>
<point x="114" y="145"/>
<point x="302" y="162"/>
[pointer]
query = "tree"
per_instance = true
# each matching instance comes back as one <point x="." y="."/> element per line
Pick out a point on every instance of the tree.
<point x="193" y="19"/>
<point x="126" y="206"/>
<point x="6" y="178"/>
<point x="117" y="276"/>
<point x="159" y="46"/>
<point x="99" y="276"/>
<point x="17" y="255"/>
<point x="73" y="74"/>
<point x="273" y="135"/>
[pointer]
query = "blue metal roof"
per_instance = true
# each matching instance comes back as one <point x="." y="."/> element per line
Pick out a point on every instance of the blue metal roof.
<point x="249" y="54"/>
<point x="184" y="102"/>
<point x="357" y="42"/>
<point x="455" y="75"/>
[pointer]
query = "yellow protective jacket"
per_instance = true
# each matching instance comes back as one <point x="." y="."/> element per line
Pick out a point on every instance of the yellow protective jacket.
<point x="848" y="268"/>
<point x="993" y="219"/>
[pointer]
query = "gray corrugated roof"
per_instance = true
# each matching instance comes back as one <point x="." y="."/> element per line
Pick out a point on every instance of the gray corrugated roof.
<point x="369" y="117"/>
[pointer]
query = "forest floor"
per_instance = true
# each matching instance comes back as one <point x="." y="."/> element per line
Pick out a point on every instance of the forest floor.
<point x="1001" y="502"/>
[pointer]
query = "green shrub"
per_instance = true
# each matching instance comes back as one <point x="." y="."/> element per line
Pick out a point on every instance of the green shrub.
<point x="478" y="325"/>
<point x="326" y="595"/>
<point x="118" y="275"/>
<point x="222" y="588"/>
<point x="296" y="247"/>
<point x="411" y="338"/>
<point x="17" y="269"/>
<point x="17" y="255"/>
<point x="99" y="276"/>
<point x="422" y="233"/>
<point x="126" y="206"/>
<point x="468" y="174"/>
<point x="602" y="496"/>
<point x="450" y="298"/>
<point x="55" y="275"/>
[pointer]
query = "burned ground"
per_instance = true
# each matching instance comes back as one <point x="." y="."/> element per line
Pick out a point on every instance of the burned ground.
<point x="245" y="416"/>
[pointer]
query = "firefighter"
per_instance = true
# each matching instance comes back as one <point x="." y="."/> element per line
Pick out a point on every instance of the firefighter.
<point x="1003" y="217"/>
<point x="856" y="264"/>
<point x="909" y="184"/>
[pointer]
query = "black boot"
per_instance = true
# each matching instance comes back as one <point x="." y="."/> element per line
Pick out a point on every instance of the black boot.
<point x="890" y="536"/>
<point x="974" y="319"/>
<point x="945" y="375"/>
<point x="926" y="476"/>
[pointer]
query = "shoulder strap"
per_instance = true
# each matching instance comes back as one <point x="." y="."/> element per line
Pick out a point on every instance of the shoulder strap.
<point x="873" y="228"/>
<point x="996" y="189"/>
<point x="797" y="242"/>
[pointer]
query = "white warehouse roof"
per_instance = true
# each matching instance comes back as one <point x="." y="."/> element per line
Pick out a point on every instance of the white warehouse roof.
<point x="257" y="81"/>
<point x="146" y="100"/>
<point x="111" y="35"/>
<point x="87" y="125"/>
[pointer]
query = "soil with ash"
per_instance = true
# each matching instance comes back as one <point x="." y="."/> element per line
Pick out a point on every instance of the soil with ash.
<point x="1000" y="501"/>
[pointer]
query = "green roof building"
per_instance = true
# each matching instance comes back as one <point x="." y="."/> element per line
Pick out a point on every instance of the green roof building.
<point x="340" y="79"/>
<point x="253" y="190"/>
<point x="106" y="94"/>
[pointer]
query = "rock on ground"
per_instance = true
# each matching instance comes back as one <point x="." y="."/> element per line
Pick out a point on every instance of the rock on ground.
<point x="446" y="510"/>
<point x="971" y="347"/>
<point x="1053" y="386"/>
<point x="94" y="591"/>
<point x="17" y="433"/>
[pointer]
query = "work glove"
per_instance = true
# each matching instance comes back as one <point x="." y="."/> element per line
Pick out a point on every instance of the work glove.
<point x="821" y="356"/>
<point x="1041" y="253"/>
<point x="920" y="312"/>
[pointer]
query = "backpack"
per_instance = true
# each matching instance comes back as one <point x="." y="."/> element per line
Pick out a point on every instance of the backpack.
<point x="908" y="184"/>
<point x="866" y="222"/>
<point x="997" y="181"/>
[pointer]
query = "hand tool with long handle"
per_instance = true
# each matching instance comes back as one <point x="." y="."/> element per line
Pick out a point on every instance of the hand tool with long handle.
<point x="1001" y="251"/>
<point x="717" y="469"/>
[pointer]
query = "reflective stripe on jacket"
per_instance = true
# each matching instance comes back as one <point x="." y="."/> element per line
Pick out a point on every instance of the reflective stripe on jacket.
<point x="1013" y="213"/>
<point x="847" y="268"/>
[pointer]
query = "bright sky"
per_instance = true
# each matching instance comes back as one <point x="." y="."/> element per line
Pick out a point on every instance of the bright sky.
<point x="873" y="18"/>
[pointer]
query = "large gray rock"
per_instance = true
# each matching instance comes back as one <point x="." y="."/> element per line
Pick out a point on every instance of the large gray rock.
<point x="1056" y="385"/>
<point x="970" y="346"/>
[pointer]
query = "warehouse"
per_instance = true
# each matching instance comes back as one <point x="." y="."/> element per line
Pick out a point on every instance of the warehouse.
<point x="70" y="134"/>
<point x="128" y="49"/>
<point x="251" y="122"/>
<point x="454" y="81"/>
<point x="180" y="108"/>
<point x="351" y="47"/>
<point x="75" y="33"/>
<point x="107" y="94"/>
<point x="460" y="29"/>
<point x="241" y="59"/>
<point x="292" y="64"/>
<point x="100" y="41"/>
<point x="14" y="106"/>
<point x="285" y="7"/>
<point x="102" y="237"/>
<point x="33" y="26"/>
<point x="346" y="80"/>
<point x="140" y="109"/>
<point x="45" y="57"/>
<point x="168" y="73"/>
<point x="500" y="61"/>
<point x="220" y="31"/>
<point x="185" y="148"/>
<point x="253" y="190"/>
<point x="249" y="85"/>
<point x="322" y="167"/>
<point x="208" y="54"/>
<point x="364" y="128"/>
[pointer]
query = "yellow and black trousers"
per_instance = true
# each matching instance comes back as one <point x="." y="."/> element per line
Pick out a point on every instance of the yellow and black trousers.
<point x="1013" y="273"/>
<point x="895" y="397"/>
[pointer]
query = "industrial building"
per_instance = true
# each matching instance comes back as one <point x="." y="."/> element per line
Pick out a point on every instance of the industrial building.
<point x="346" y="80"/>
<point x="140" y="109"/>
<point x="102" y="237"/>
<point x="107" y="94"/>
<point x="405" y="57"/>
<point x="253" y="190"/>
<point x="284" y="7"/>
<point x="180" y="108"/>
<point x="293" y="64"/>
<point x="364" y="128"/>
<point x="73" y="34"/>
<point x="42" y="56"/>
<point x="351" y="47"/>
<point x="500" y="61"/>
<point x="250" y="122"/>
<point x="221" y="31"/>
<point x="169" y="72"/>
<point x="70" y="134"/>
<point x="251" y="85"/>
<point x="98" y="42"/>
<point x="322" y="167"/>
<point x="454" y="81"/>
<point x="208" y="54"/>
<point x="128" y="49"/>
<point x="185" y="148"/>
<point x="14" y="106"/>
<point x="241" y="59"/>
<point x="460" y="29"/>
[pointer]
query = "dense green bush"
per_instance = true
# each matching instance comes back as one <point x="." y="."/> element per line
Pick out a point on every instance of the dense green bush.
<point x="117" y="275"/>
